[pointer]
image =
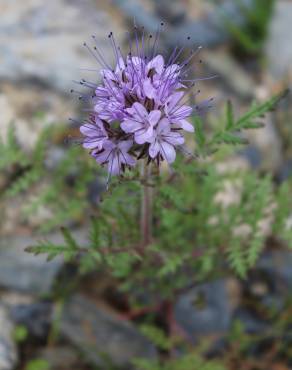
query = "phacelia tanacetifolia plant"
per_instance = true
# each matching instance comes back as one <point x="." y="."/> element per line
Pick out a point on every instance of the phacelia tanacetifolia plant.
<point x="139" y="110"/>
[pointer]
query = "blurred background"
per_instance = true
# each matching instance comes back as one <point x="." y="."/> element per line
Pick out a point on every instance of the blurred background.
<point x="247" y="44"/>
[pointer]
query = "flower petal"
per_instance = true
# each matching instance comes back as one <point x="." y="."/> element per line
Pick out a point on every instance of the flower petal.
<point x="114" y="165"/>
<point x="139" y="110"/>
<point x="187" y="126"/>
<point x="109" y="145"/>
<point x="172" y="71"/>
<point x="103" y="157"/>
<point x="144" y="136"/>
<point x="174" y="138"/>
<point x="149" y="90"/>
<point x="163" y="126"/>
<point x="101" y="92"/>
<point x="92" y="143"/>
<point x="98" y="122"/>
<point x="131" y="126"/>
<point x="89" y="130"/>
<point x="172" y="101"/>
<point x="120" y="65"/>
<point x="136" y="61"/>
<point x="107" y="75"/>
<point x="182" y="112"/>
<point x="154" y="149"/>
<point x="167" y="152"/>
<point x="157" y="63"/>
<point x="127" y="159"/>
<point x="154" y="117"/>
<point x="125" y="145"/>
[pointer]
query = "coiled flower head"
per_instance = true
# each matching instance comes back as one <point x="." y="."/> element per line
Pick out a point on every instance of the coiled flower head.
<point x="139" y="108"/>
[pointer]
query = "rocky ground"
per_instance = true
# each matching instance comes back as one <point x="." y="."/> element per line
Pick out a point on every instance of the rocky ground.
<point x="41" y="52"/>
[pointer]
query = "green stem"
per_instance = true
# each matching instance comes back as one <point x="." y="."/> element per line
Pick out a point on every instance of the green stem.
<point x="146" y="206"/>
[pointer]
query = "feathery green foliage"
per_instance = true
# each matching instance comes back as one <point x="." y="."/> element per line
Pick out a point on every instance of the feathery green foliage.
<point x="250" y="38"/>
<point x="229" y="129"/>
<point x="209" y="220"/>
<point x="203" y="218"/>
<point x="10" y="152"/>
<point x="188" y="361"/>
<point x="61" y="186"/>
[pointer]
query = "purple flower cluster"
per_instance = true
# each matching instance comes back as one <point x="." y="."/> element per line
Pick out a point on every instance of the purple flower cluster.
<point x="138" y="109"/>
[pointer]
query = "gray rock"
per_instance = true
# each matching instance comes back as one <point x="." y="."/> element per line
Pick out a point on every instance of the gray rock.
<point x="60" y="358"/>
<point x="172" y="11"/>
<point x="211" y="31"/>
<point x="26" y="310"/>
<point x="205" y="309"/>
<point x="133" y="9"/>
<point x="101" y="336"/>
<point x="208" y="32"/>
<point x="279" y="50"/>
<point x="253" y="155"/>
<point x="268" y="286"/>
<point x="30" y="108"/>
<point x="269" y="145"/>
<point x="8" y="353"/>
<point x="43" y="41"/>
<point x="251" y="323"/>
<point x="285" y="171"/>
<point x="36" y="317"/>
<point x="226" y="68"/>
<point x="25" y="272"/>
<point x="278" y="266"/>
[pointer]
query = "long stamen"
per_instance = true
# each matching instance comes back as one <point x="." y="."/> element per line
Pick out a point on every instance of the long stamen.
<point x="81" y="95"/>
<point x="114" y="46"/>
<point x="94" y="55"/>
<point x="99" y="53"/>
<point x="127" y="83"/>
<point x="156" y="40"/>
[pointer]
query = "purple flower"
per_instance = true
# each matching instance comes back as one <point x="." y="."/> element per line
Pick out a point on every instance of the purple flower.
<point x="115" y="155"/>
<point x="139" y="109"/>
<point x="164" y="141"/>
<point x="140" y="122"/>
<point x="156" y="64"/>
<point x="177" y="113"/>
<point x="94" y="133"/>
